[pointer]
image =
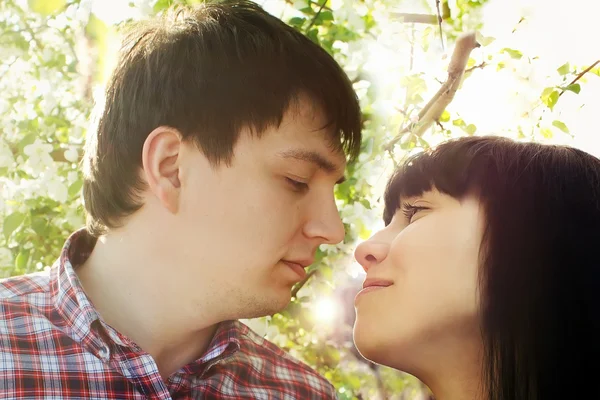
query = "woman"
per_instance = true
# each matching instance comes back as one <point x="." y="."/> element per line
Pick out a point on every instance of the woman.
<point x="485" y="282"/>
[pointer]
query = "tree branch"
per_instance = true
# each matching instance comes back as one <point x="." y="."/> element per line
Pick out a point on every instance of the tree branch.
<point x="300" y="284"/>
<point x="312" y="22"/>
<point x="428" y="19"/>
<point x="439" y="15"/>
<point x="57" y="155"/>
<point x="579" y="76"/>
<point x="379" y="379"/>
<point x="438" y="103"/>
<point x="482" y="65"/>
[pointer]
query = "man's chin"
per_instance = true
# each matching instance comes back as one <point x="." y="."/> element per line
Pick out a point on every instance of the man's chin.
<point x="266" y="307"/>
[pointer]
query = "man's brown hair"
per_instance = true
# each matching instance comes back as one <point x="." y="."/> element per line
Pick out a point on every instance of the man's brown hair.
<point x="206" y="71"/>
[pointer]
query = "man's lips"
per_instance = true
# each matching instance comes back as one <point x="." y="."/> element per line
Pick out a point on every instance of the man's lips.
<point x="298" y="267"/>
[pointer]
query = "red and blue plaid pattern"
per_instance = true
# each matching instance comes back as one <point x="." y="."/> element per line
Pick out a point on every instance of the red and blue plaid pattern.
<point x="54" y="345"/>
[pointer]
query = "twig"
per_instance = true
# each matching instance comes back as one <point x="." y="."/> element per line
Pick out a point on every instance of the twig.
<point x="391" y="153"/>
<point x="322" y="5"/>
<point x="517" y="25"/>
<point x="579" y="76"/>
<point x="401" y="111"/>
<point x="438" y="103"/>
<point x="309" y="3"/>
<point x="302" y="282"/>
<point x="57" y="155"/>
<point x="482" y="65"/>
<point x="437" y="5"/>
<point x="379" y="380"/>
<point x="312" y="22"/>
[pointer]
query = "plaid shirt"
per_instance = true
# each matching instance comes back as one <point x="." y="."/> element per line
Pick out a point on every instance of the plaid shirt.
<point x="54" y="345"/>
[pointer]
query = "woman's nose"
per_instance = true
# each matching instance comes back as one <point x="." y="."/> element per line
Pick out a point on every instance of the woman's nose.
<point x="371" y="253"/>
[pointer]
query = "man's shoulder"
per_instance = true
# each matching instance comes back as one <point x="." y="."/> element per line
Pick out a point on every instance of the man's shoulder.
<point x="275" y="363"/>
<point x="19" y="287"/>
<point x="26" y="296"/>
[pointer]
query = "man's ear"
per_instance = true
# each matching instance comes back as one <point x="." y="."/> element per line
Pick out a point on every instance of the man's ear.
<point x="160" y="163"/>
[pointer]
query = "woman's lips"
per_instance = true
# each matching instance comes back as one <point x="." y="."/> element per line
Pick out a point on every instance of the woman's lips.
<point x="371" y="285"/>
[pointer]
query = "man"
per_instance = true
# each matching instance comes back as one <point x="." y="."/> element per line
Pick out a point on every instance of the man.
<point x="209" y="186"/>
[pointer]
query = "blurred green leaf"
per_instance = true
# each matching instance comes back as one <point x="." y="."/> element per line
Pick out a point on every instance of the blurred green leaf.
<point x="575" y="88"/>
<point x="12" y="223"/>
<point x="550" y="97"/>
<point x="297" y="22"/>
<point x="75" y="188"/>
<point x="21" y="260"/>
<point x="325" y="16"/>
<point x="46" y="7"/>
<point x="459" y="122"/>
<point x="161" y="5"/>
<point x="485" y="40"/>
<point x="445" y="117"/>
<point x="313" y="35"/>
<point x="564" y="69"/>
<point x="546" y="133"/>
<point x="471" y="129"/>
<point x="96" y="29"/>
<point x="561" y="125"/>
<point x="40" y="225"/>
<point x="516" y="54"/>
<point x="27" y="140"/>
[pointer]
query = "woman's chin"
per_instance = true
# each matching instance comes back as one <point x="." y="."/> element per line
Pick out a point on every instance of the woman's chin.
<point x="369" y="345"/>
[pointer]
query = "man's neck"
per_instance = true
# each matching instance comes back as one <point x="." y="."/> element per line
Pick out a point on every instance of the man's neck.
<point x="124" y="278"/>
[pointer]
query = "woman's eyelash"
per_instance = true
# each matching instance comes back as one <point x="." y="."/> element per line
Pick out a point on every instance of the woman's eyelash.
<point x="299" y="186"/>
<point x="409" y="210"/>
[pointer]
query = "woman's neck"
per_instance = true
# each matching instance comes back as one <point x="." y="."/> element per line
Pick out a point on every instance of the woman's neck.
<point x="456" y="373"/>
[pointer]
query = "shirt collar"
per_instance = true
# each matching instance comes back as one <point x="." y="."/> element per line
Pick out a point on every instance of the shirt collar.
<point x="66" y="291"/>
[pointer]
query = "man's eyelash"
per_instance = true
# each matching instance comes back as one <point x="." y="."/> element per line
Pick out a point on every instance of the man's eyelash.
<point x="299" y="186"/>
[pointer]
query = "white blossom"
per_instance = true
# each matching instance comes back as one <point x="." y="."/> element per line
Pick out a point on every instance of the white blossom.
<point x="39" y="156"/>
<point x="71" y="154"/>
<point x="74" y="218"/>
<point x="58" y="191"/>
<point x="6" y="157"/>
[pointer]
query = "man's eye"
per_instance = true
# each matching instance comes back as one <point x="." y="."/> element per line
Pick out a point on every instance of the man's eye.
<point x="297" y="185"/>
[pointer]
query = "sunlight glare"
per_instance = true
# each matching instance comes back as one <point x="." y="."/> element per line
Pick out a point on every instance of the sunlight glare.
<point x="325" y="310"/>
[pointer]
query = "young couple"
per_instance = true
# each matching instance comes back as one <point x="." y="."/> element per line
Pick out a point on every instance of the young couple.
<point x="209" y="186"/>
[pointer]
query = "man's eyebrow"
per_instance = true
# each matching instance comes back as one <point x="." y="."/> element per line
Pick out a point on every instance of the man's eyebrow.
<point x="314" y="158"/>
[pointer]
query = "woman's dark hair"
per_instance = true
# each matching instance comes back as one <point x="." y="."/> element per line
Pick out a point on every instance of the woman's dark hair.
<point x="540" y="274"/>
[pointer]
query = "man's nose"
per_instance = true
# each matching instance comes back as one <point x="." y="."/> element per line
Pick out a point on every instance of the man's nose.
<point x="325" y="223"/>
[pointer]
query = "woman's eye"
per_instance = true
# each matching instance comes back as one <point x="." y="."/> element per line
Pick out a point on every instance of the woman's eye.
<point x="297" y="185"/>
<point x="409" y="211"/>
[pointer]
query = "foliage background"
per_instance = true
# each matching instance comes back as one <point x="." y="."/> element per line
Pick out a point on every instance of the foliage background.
<point x="534" y="78"/>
